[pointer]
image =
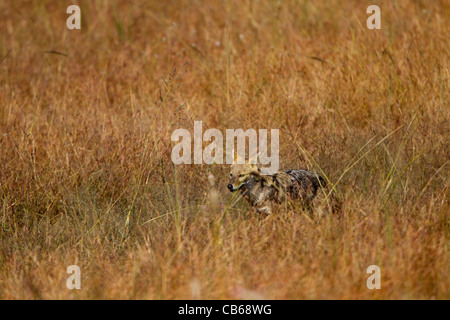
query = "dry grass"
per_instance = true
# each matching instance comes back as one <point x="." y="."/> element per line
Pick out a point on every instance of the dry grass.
<point x="85" y="170"/>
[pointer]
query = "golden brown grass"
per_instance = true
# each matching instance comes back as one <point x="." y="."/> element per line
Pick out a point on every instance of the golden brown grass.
<point x="85" y="170"/>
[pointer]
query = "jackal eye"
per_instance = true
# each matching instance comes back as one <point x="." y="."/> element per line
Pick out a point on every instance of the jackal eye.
<point x="242" y="175"/>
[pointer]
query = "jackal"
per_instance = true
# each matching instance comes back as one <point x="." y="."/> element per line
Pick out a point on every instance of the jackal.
<point x="264" y="191"/>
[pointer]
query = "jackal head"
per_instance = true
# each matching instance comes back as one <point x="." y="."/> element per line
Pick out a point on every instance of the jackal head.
<point x="240" y="173"/>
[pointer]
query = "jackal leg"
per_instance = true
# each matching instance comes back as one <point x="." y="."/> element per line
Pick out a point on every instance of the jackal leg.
<point x="266" y="210"/>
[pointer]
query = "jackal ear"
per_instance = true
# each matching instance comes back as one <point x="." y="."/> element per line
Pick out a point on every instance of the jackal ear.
<point x="254" y="159"/>
<point x="237" y="158"/>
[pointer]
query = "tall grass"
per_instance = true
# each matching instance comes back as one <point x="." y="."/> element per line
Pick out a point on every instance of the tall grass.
<point x="86" y="177"/>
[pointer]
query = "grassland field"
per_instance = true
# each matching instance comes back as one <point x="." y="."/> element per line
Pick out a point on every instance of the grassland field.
<point x="86" y="176"/>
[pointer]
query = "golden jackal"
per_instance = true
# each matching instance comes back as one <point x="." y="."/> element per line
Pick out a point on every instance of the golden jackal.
<point x="262" y="191"/>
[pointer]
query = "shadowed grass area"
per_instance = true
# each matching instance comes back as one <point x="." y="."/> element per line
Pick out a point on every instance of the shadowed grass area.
<point x="86" y="177"/>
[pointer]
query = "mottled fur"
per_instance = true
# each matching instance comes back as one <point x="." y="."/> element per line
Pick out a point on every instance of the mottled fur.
<point x="263" y="191"/>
